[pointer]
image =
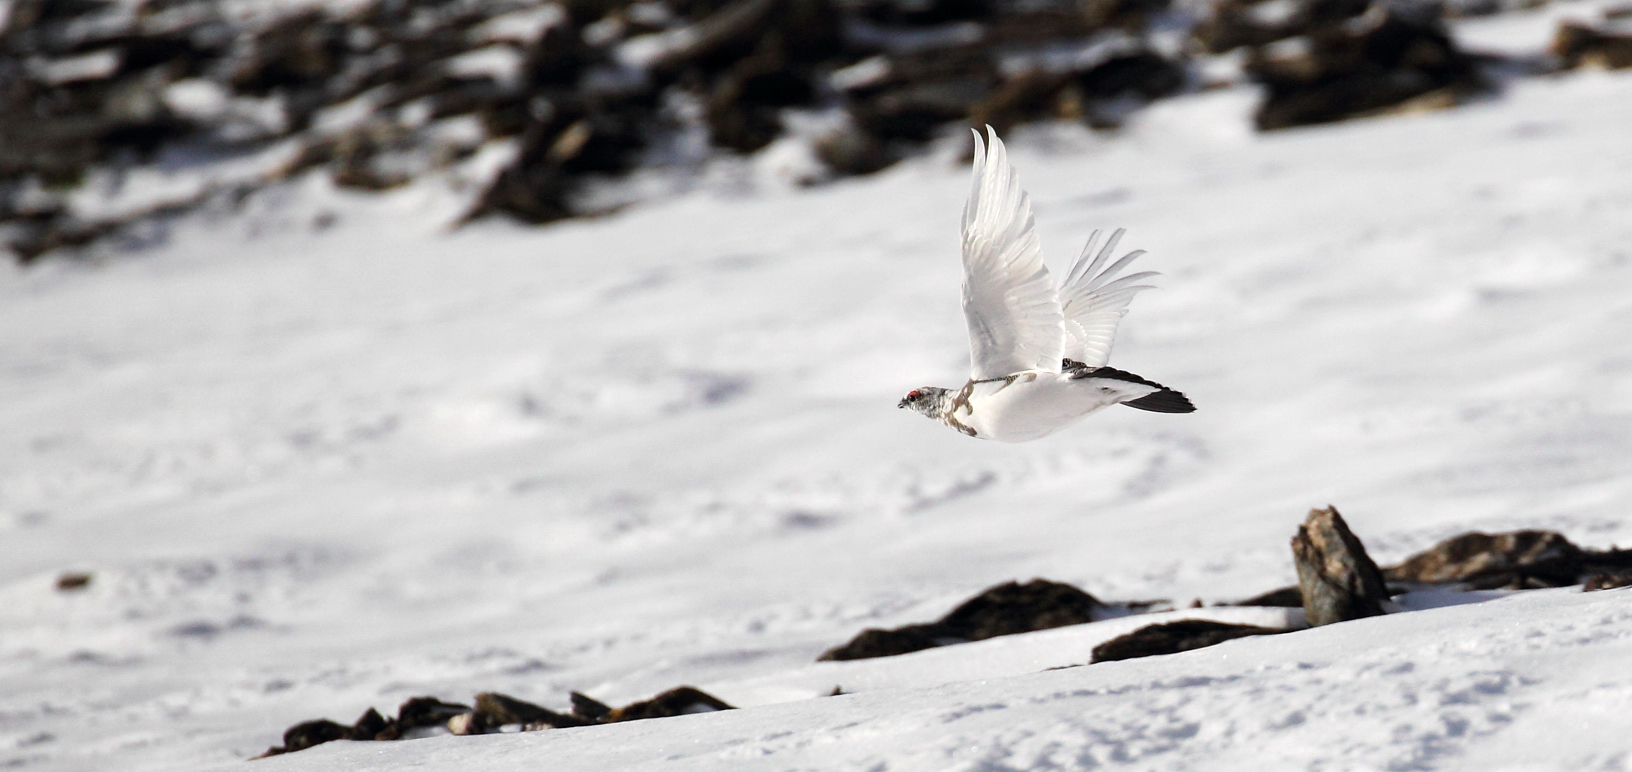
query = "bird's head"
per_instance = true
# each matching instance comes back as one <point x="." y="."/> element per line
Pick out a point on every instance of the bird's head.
<point x="927" y="400"/>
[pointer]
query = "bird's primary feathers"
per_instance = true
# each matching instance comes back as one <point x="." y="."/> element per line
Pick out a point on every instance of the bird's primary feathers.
<point x="1037" y="353"/>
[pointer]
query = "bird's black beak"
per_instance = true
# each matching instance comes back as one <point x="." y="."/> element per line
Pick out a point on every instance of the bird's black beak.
<point x="902" y="403"/>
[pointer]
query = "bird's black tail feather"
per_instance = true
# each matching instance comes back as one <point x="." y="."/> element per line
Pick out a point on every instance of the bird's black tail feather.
<point x="1164" y="401"/>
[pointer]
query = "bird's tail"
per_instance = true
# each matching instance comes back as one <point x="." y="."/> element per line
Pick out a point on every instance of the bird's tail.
<point x="1163" y="400"/>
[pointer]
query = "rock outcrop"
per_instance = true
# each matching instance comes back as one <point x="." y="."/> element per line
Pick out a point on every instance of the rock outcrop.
<point x="1338" y="580"/>
<point x="1005" y="609"/>
<point x="1174" y="637"/>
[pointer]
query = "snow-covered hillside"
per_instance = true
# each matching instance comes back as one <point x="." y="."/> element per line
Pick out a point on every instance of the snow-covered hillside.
<point x="329" y="454"/>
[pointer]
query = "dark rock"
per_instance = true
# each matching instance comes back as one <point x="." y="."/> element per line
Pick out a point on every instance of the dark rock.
<point x="1144" y="74"/>
<point x="419" y="712"/>
<point x="1012" y="608"/>
<point x="804" y="30"/>
<point x="531" y="192"/>
<point x="1376" y="62"/>
<point x="1607" y="581"/>
<point x="745" y="103"/>
<point x="185" y="52"/>
<point x="302" y="51"/>
<point x="1174" y="637"/>
<point x="1339" y="581"/>
<point x="912" y="13"/>
<point x="308" y="734"/>
<point x="569" y="140"/>
<point x="369" y="726"/>
<point x="1578" y="44"/>
<point x="588" y="708"/>
<point x="1130" y="15"/>
<point x="1005" y="609"/>
<point x="59" y="132"/>
<point x="28" y="13"/>
<point x="674" y="702"/>
<point x="875" y="642"/>
<point x="1232" y="23"/>
<point x="1515" y="560"/>
<point x="915" y="93"/>
<point x="1083" y="94"/>
<point x="914" y="112"/>
<point x="1285" y="597"/>
<point x="557" y="58"/>
<point x="494" y="710"/>
<point x="357" y="156"/>
<point x="73" y="580"/>
<point x="1042" y="26"/>
<point x="849" y="150"/>
<point x="1026" y="97"/>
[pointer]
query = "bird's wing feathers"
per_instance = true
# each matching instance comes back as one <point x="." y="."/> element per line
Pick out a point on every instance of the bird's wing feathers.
<point x="1013" y="310"/>
<point x="1094" y="300"/>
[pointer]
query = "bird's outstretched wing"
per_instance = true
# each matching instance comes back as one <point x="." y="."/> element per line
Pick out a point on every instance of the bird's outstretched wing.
<point x="1009" y="300"/>
<point x="1094" y="300"/>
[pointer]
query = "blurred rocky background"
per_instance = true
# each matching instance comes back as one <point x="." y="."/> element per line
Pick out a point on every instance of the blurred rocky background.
<point x="116" y="115"/>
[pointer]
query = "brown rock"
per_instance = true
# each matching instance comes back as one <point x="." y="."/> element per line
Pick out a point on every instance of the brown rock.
<point x="674" y="702"/>
<point x="307" y="734"/>
<point x="73" y="580"/>
<point x="1026" y="97"/>
<point x="1366" y="66"/>
<point x="744" y="106"/>
<point x="912" y="13"/>
<point x="428" y="711"/>
<point x="1012" y="607"/>
<point x="588" y="708"/>
<point x="806" y="30"/>
<point x="1232" y="23"/>
<point x="301" y="51"/>
<point x="1338" y="580"/>
<point x="1130" y="15"/>
<point x="418" y="713"/>
<point x="494" y="710"/>
<point x="1608" y="581"/>
<point x="1516" y="560"/>
<point x="369" y="726"/>
<point x="1005" y="609"/>
<point x="849" y="149"/>
<point x="1578" y="44"/>
<point x="1039" y="26"/>
<point x="1285" y="597"/>
<point x="1174" y="637"/>
<point x="875" y="642"/>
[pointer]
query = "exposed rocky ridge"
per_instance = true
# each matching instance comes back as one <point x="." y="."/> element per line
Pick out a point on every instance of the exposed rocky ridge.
<point x="1338" y="583"/>
<point x="585" y="90"/>
<point x="491" y="712"/>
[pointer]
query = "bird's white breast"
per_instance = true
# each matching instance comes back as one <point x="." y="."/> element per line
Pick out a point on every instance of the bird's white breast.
<point x="1028" y="405"/>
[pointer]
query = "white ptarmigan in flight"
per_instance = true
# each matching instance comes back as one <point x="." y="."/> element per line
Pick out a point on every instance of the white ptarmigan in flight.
<point x="1038" y="352"/>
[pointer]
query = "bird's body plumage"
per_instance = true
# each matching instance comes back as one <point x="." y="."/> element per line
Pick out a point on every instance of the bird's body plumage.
<point x="1037" y="352"/>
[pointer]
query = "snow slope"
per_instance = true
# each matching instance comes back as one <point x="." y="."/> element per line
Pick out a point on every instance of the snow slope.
<point x="326" y="453"/>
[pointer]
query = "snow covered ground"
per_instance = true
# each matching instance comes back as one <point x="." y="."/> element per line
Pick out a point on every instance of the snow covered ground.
<point x="327" y="454"/>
